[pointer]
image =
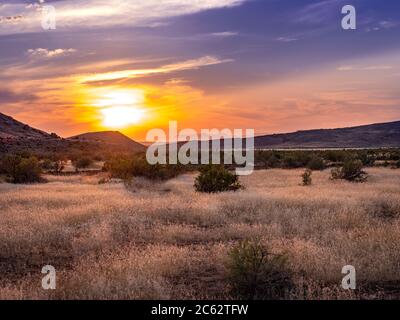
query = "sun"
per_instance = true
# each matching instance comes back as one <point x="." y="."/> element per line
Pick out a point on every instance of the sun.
<point x="119" y="117"/>
<point x="121" y="108"/>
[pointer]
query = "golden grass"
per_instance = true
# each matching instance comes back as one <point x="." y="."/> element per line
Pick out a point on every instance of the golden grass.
<point x="163" y="241"/>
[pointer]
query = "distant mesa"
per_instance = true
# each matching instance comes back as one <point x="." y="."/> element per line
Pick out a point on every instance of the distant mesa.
<point x="18" y="136"/>
<point x="380" y="135"/>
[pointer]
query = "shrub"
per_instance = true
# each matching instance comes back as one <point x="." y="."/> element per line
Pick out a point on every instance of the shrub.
<point x="366" y="158"/>
<point x="335" y="155"/>
<point x="253" y="273"/>
<point x="53" y="163"/>
<point x="398" y="164"/>
<point x="214" y="179"/>
<point x="137" y="166"/>
<point x="82" y="163"/>
<point x="385" y="209"/>
<point x="351" y="171"/>
<point x="21" y="170"/>
<point x="316" y="163"/>
<point x="267" y="159"/>
<point x="295" y="159"/>
<point x="306" y="176"/>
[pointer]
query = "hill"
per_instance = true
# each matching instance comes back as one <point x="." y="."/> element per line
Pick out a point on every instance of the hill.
<point x="13" y="129"/>
<point x="380" y="135"/>
<point x="111" y="138"/>
<point x="16" y="136"/>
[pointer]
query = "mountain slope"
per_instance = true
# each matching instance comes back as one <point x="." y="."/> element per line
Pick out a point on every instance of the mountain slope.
<point x="12" y="129"/>
<point x="16" y="136"/>
<point x="112" y="138"/>
<point x="380" y="135"/>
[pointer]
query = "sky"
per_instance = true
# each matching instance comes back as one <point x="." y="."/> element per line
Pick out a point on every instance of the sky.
<point x="269" y="65"/>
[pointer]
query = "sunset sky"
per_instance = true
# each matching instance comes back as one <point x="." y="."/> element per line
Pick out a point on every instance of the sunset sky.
<point x="271" y="65"/>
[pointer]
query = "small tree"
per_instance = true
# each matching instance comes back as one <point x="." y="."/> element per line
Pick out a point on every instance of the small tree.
<point x="254" y="273"/>
<point x="214" y="179"/>
<point x="351" y="171"/>
<point x="306" y="177"/>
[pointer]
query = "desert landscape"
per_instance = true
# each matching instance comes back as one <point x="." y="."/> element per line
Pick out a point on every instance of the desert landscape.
<point x="165" y="241"/>
<point x="199" y="157"/>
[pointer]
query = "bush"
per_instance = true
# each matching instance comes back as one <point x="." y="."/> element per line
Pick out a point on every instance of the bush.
<point x="254" y="273"/>
<point x="351" y="171"/>
<point x="82" y="163"/>
<point x="366" y="158"/>
<point x="21" y="170"/>
<point x="295" y="159"/>
<point x="385" y="209"/>
<point x="306" y="177"/>
<point x="53" y="163"/>
<point x="214" y="179"/>
<point x="398" y="164"/>
<point x="137" y="166"/>
<point x="335" y="155"/>
<point x="316" y="163"/>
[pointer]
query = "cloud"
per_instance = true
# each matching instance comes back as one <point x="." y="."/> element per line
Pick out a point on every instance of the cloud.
<point x="180" y="66"/>
<point x="286" y="39"/>
<point x="224" y="34"/>
<point x="8" y="96"/>
<point x="383" y="25"/>
<point x="78" y="14"/>
<point x="11" y="19"/>
<point x="46" y="53"/>
<point x="364" y="68"/>
<point x="321" y="12"/>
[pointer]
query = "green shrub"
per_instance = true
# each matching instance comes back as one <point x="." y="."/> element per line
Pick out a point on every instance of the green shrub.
<point x="367" y="158"/>
<point x="295" y="159"/>
<point x="214" y="179"/>
<point x="46" y="164"/>
<point x="316" y="163"/>
<point x="335" y="155"/>
<point x="82" y="163"/>
<point x="253" y="273"/>
<point x="137" y="166"/>
<point x="398" y="164"/>
<point x="267" y="159"/>
<point x="351" y="171"/>
<point x="54" y="163"/>
<point x="21" y="170"/>
<point x="306" y="177"/>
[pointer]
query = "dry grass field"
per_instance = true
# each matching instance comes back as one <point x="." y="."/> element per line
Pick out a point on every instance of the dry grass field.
<point x="164" y="241"/>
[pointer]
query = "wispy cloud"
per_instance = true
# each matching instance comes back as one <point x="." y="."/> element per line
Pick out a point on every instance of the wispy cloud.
<point x="224" y="34"/>
<point x="383" y="25"/>
<point x="319" y="12"/>
<point x="105" y="13"/>
<point x="286" y="39"/>
<point x="46" y="53"/>
<point x="364" y="68"/>
<point x="9" y="96"/>
<point x="180" y="66"/>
